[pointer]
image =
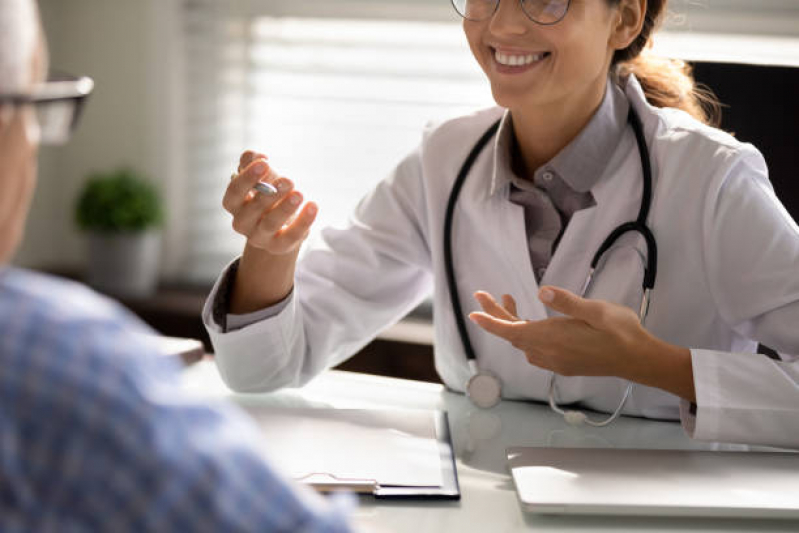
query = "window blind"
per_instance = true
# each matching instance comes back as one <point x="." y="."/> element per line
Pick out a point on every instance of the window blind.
<point x="758" y="17"/>
<point x="335" y="99"/>
<point x="336" y="93"/>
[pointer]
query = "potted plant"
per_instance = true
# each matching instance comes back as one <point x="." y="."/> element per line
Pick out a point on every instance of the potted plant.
<point x="122" y="213"/>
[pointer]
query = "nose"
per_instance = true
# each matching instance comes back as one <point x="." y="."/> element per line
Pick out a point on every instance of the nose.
<point x="509" y="19"/>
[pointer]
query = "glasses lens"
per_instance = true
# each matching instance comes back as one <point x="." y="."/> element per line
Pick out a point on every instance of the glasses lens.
<point x="545" y="11"/>
<point x="56" y="120"/>
<point x="475" y="9"/>
<point x="58" y="103"/>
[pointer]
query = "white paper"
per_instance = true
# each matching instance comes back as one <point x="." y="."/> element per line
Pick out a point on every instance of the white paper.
<point x="391" y="447"/>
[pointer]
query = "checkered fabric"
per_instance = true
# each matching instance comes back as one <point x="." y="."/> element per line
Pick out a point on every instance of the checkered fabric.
<point x="95" y="434"/>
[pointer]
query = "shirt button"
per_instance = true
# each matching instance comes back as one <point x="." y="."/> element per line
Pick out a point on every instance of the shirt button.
<point x="547" y="176"/>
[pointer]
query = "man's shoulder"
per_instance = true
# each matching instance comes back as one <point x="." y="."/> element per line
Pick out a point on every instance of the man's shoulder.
<point x="61" y="335"/>
<point x="29" y="295"/>
<point x="64" y="319"/>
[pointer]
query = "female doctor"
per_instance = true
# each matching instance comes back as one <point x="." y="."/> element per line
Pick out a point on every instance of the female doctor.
<point x="637" y="254"/>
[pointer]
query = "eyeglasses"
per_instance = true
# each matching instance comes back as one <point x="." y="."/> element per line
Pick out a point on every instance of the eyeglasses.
<point x="58" y="103"/>
<point x="545" y="12"/>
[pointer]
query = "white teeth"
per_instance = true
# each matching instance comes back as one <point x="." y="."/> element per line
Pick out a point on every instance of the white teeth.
<point x="516" y="60"/>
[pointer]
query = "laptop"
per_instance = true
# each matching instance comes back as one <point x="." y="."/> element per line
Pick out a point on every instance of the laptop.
<point x="656" y="482"/>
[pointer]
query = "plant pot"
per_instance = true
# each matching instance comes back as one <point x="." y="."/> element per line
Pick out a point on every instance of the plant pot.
<point x="124" y="264"/>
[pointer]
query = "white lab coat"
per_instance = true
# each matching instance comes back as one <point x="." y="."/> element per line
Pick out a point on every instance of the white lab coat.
<point x="728" y="276"/>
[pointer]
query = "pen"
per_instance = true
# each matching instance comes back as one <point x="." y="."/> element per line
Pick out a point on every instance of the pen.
<point x="265" y="188"/>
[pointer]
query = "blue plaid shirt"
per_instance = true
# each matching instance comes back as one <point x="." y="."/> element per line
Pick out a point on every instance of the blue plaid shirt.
<point x="95" y="434"/>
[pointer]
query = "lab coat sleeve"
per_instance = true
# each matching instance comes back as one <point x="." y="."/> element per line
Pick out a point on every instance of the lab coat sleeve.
<point x="752" y="264"/>
<point x="351" y="282"/>
<point x="239" y="352"/>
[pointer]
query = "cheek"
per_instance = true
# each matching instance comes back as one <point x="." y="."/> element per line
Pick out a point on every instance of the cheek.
<point x="583" y="58"/>
<point x="17" y="182"/>
<point x="474" y="40"/>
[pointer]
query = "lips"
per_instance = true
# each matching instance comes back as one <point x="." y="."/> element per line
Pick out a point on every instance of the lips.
<point x="516" y="59"/>
<point x="508" y="60"/>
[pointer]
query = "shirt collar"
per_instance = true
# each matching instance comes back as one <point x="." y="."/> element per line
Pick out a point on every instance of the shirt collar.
<point x="583" y="161"/>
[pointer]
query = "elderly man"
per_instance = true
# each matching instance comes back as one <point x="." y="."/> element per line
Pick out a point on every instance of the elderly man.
<point x="94" y="433"/>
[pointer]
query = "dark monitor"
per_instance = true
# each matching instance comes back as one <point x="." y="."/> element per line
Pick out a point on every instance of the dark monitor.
<point x="761" y="106"/>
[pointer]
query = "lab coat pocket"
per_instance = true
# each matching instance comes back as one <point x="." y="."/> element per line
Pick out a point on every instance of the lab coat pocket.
<point x="619" y="274"/>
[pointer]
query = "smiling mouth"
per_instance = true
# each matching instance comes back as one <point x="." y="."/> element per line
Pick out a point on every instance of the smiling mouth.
<point x="518" y="60"/>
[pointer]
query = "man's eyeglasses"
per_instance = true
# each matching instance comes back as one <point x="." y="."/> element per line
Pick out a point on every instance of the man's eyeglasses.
<point x="58" y="103"/>
<point x="546" y="12"/>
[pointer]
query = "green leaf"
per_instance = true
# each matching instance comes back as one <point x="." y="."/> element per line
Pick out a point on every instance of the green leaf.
<point x="117" y="201"/>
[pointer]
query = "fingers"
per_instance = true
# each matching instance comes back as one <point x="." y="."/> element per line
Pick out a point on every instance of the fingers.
<point x="565" y="302"/>
<point x="270" y="221"/>
<point x="597" y="313"/>
<point x="280" y="213"/>
<point x="248" y="157"/>
<point x="510" y="304"/>
<point x="248" y="215"/>
<point x="239" y="189"/>
<point x="293" y="233"/>
<point x="490" y="305"/>
<point x="494" y="325"/>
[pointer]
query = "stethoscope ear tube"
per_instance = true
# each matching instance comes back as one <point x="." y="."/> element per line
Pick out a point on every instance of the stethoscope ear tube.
<point x="650" y="272"/>
<point x="646" y="166"/>
<point x="449" y="265"/>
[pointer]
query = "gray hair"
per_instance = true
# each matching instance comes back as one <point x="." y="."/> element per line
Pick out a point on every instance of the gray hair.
<point x="18" y="40"/>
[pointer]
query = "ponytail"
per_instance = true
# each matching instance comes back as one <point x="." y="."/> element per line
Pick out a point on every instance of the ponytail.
<point x="665" y="82"/>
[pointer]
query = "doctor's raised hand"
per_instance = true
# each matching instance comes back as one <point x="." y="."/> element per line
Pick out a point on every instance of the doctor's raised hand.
<point x="275" y="227"/>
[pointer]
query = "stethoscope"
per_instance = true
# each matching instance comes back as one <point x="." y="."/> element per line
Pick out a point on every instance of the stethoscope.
<point x="484" y="388"/>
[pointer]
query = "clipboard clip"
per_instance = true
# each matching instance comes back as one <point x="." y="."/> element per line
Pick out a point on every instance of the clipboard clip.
<point x="325" y="482"/>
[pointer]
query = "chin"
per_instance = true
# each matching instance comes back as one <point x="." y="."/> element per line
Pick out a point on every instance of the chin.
<point x="510" y="99"/>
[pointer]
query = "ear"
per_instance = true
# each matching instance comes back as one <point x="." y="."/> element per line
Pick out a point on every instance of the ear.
<point x="630" y="17"/>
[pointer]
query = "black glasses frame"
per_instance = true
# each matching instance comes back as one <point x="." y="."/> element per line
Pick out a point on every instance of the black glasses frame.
<point x="59" y="88"/>
<point x="521" y="2"/>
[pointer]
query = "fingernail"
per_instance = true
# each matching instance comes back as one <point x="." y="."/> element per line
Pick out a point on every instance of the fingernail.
<point x="546" y="295"/>
<point x="311" y="209"/>
<point x="283" y="185"/>
<point x="295" y="199"/>
<point x="259" y="168"/>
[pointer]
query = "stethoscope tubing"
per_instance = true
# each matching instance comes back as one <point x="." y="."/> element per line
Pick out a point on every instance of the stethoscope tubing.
<point x="449" y="263"/>
<point x="638" y="225"/>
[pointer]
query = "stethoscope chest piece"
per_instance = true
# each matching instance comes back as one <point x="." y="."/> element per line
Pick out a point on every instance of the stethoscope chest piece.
<point x="484" y="389"/>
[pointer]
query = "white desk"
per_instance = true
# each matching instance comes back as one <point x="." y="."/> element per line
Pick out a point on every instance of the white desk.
<point x="488" y="502"/>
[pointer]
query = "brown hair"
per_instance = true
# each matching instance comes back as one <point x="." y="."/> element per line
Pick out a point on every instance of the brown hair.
<point x="666" y="82"/>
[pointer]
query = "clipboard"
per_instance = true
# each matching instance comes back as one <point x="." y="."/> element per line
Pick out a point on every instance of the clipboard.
<point x="409" y="451"/>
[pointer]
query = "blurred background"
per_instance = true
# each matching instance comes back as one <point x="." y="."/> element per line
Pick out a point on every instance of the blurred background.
<point x="335" y="93"/>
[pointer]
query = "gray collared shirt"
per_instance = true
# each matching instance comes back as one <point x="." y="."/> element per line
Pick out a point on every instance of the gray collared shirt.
<point x="562" y="186"/>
